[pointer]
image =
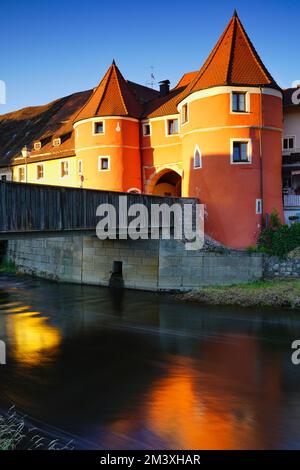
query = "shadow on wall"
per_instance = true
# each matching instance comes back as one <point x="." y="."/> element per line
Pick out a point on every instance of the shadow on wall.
<point x="229" y="193"/>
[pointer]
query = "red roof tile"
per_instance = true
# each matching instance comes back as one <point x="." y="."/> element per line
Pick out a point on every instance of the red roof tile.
<point x="186" y="79"/>
<point x="112" y="97"/>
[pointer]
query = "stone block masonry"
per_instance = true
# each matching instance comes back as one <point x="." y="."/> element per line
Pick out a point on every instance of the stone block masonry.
<point x="157" y="265"/>
<point x="275" y="268"/>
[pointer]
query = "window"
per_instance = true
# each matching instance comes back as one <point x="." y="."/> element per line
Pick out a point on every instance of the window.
<point x="56" y="142"/>
<point x="3" y="178"/>
<point x="64" y="167"/>
<point x="103" y="164"/>
<point x="80" y="167"/>
<point x="238" y="102"/>
<point x="146" y="129"/>
<point x="258" y="209"/>
<point x="197" y="158"/>
<point x="240" y="152"/>
<point x="288" y="143"/>
<point x="21" y="174"/>
<point x="184" y="114"/>
<point x="172" y="126"/>
<point x="99" y="127"/>
<point x="37" y="146"/>
<point x="40" y="172"/>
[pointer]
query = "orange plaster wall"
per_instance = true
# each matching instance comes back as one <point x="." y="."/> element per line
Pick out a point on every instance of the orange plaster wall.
<point x="120" y="142"/>
<point x="229" y="191"/>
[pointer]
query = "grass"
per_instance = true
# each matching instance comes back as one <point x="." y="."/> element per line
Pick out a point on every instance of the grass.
<point x="273" y="293"/>
<point x="8" y="267"/>
<point x="16" y="434"/>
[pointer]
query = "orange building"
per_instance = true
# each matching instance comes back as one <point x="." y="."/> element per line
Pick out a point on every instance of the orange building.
<point x="215" y="136"/>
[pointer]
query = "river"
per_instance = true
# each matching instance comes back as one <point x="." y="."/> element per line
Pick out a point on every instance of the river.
<point x="138" y="370"/>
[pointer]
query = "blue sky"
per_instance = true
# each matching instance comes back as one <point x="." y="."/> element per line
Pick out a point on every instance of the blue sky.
<point x="51" y="49"/>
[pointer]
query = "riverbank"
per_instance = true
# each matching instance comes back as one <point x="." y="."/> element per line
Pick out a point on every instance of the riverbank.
<point x="279" y="293"/>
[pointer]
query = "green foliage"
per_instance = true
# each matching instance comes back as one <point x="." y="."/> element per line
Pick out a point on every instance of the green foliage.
<point x="8" y="267"/>
<point x="252" y="249"/>
<point x="278" y="239"/>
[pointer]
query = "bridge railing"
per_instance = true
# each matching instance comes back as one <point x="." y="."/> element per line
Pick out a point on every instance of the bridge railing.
<point x="26" y="207"/>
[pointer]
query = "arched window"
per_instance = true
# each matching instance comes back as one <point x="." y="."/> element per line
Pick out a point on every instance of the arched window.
<point x="134" y="191"/>
<point x="197" y="158"/>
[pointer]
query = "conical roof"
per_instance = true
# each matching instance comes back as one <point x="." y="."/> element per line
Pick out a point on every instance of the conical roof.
<point x="233" y="61"/>
<point x="112" y="97"/>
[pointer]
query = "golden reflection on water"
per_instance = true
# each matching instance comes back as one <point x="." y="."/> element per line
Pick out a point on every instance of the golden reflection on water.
<point x="215" y="404"/>
<point x="33" y="340"/>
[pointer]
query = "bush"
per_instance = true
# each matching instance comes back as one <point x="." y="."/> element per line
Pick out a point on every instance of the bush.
<point x="278" y="239"/>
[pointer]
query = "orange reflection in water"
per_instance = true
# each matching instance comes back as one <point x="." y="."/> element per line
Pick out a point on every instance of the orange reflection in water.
<point x="34" y="341"/>
<point x="216" y="404"/>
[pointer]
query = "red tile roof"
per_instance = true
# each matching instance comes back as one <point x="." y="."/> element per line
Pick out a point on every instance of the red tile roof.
<point x="186" y="79"/>
<point x="112" y="97"/>
<point x="40" y="123"/>
<point x="233" y="61"/>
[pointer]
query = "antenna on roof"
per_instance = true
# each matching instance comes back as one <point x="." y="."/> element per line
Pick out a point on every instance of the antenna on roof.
<point x="152" y="80"/>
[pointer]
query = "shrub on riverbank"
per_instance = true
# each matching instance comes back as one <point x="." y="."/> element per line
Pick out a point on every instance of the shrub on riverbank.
<point x="254" y="294"/>
<point x="278" y="239"/>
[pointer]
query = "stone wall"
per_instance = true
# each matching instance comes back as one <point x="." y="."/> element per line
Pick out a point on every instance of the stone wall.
<point x="186" y="270"/>
<point x="146" y="264"/>
<point x="277" y="268"/>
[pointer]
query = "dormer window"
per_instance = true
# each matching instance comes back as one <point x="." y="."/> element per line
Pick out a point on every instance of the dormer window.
<point x="56" y="142"/>
<point x="99" y="127"/>
<point x="37" y="145"/>
<point x="172" y="126"/>
<point x="238" y="104"/>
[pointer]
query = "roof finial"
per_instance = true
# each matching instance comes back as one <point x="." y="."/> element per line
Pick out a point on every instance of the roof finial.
<point x="235" y="15"/>
<point x="113" y="62"/>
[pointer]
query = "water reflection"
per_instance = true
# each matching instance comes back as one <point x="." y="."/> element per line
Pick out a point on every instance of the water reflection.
<point x="33" y="340"/>
<point x="141" y="371"/>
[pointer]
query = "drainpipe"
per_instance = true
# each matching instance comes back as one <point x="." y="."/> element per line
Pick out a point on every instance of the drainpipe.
<point x="260" y="159"/>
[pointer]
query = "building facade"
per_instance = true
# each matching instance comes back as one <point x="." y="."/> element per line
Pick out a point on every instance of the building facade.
<point x="291" y="155"/>
<point x="217" y="136"/>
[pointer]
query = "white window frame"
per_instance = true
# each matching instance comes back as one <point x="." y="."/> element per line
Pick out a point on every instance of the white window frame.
<point x="289" y="137"/>
<point x="247" y="102"/>
<point x="150" y="127"/>
<point x="249" y="150"/>
<point x="167" y="126"/>
<point x="80" y="167"/>
<point x="20" y="168"/>
<point x="60" y="167"/>
<point x="100" y="158"/>
<point x="258" y="206"/>
<point x="183" y="123"/>
<point x="94" y="127"/>
<point x="37" y="174"/>
<point x="200" y="160"/>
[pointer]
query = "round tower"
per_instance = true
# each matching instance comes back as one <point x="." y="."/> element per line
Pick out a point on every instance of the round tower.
<point x="107" y="136"/>
<point x="231" y="124"/>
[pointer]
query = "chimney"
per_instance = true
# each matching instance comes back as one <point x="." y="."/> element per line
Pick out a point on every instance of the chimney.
<point x="164" y="87"/>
